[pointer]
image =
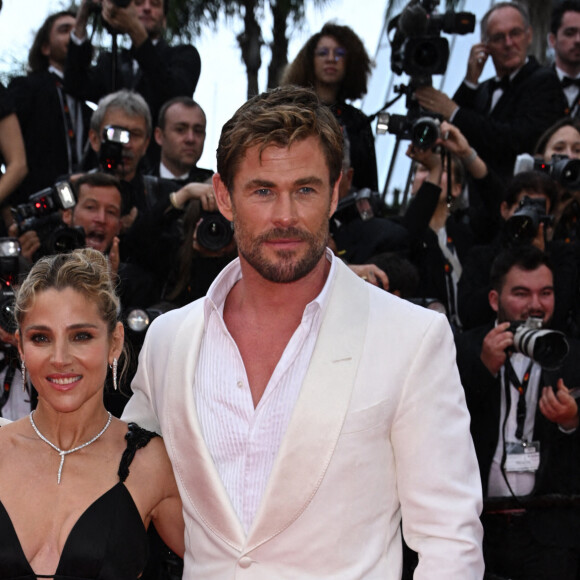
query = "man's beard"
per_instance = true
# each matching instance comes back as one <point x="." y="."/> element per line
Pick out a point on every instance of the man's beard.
<point x="287" y="268"/>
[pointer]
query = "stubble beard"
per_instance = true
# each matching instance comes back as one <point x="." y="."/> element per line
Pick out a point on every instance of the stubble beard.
<point x="287" y="268"/>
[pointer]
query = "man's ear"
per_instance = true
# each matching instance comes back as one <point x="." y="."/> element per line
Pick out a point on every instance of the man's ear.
<point x="552" y="39"/>
<point x="223" y="197"/>
<point x="493" y="298"/>
<point x="45" y="49"/>
<point x="504" y="210"/>
<point x="334" y="195"/>
<point x="94" y="140"/>
<point x="66" y="216"/>
<point x="158" y="134"/>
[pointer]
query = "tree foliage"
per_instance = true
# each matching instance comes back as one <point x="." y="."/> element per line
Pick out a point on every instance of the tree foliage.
<point x="200" y="14"/>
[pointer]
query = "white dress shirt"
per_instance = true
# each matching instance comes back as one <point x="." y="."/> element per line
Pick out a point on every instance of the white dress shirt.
<point x="522" y="482"/>
<point x="242" y="440"/>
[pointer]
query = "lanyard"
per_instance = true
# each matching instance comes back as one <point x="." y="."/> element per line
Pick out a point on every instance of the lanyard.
<point x="521" y="387"/>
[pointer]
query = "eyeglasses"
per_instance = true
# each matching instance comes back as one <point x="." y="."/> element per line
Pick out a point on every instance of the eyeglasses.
<point x="500" y="37"/>
<point x="337" y="53"/>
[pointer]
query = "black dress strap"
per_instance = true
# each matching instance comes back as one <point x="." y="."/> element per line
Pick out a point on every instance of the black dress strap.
<point x="136" y="438"/>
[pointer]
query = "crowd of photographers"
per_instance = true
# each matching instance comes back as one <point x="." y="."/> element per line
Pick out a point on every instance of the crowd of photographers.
<point x="490" y="237"/>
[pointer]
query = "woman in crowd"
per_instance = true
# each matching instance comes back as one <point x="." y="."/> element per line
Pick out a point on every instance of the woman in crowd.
<point x="79" y="487"/>
<point x="563" y="138"/>
<point x="336" y="65"/>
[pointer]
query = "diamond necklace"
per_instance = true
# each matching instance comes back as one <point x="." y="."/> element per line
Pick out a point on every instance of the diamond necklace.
<point x="60" y="451"/>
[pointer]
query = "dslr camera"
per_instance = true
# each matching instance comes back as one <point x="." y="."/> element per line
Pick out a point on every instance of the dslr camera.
<point x="111" y="152"/>
<point x="42" y="214"/>
<point x="560" y="168"/>
<point x="523" y="225"/>
<point x="9" y="269"/>
<point x="547" y="347"/>
<point x="363" y="204"/>
<point x="419" y="51"/>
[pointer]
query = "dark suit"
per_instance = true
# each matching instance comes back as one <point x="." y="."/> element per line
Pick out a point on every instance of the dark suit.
<point x="38" y="106"/>
<point x="532" y="102"/>
<point x="164" y="72"/>
<point x="559" y="469"/>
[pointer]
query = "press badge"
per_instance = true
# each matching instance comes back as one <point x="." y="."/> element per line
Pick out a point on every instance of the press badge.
<point x="522" y="456"/>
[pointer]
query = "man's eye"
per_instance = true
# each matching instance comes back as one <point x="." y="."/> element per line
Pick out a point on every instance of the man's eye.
<point x="263" y="192"/>
<point x="306" y="190"/>
<point x="38" y="338"/>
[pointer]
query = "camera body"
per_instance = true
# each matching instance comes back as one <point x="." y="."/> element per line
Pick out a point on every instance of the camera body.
<point x="9" y="269"/>
<point x="417" y="47"/>
<point x="363" y="204"/>
<point x="560" y="168"/>
<point x="421" y="128"/>
<point x="547" y="347"/>
<point x="523" y="225"/>
<point x="111" y="152"/>
<point x="42" y="214"/>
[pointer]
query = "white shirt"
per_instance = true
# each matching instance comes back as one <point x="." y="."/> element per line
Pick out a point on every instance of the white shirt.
<point x="521" y="483"/>
<point x="166" y="174"/>
<point x="571" y="92"/>
<point x="242" y="440"/>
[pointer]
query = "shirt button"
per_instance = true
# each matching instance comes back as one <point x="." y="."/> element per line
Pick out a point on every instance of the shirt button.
<point x="245" y="562"/>
<point x="240" y="384"/>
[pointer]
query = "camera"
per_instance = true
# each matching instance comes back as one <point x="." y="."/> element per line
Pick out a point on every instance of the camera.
<point x="547" y="347"/>
<point x="111" y="152"/>
<point x="560" y="168"/>
<point x="417" y="47"/>
<point x="42" y="214"/>
<point x="419" y="51"/>
<point x="214" y="231"/>
<point x="523" y="225"/>
<point x="363" y="204"/>
<point x="423" y="131"/>
<point x="9" y="254"/>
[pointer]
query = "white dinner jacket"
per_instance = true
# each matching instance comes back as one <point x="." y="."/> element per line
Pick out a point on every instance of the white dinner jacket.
<point x="380" y="429"/>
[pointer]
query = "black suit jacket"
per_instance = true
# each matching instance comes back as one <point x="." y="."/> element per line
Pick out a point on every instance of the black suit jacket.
<point x="559" y="470"/>
<point x="531" y="103"/>
<point x="37" y="104"/>
<point x="164" y="72"/>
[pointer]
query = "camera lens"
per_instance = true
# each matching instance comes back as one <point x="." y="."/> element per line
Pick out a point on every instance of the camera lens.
<point x="425" y="132"/>
<point x="214" y="232"/>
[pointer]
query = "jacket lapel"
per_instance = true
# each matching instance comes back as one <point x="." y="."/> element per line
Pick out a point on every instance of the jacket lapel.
<point x="191" y="459"/>
<point x="312" y="435"/>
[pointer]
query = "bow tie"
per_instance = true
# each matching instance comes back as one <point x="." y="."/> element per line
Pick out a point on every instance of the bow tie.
<point x="567" y="81"/>
<point x="502" y="84"/>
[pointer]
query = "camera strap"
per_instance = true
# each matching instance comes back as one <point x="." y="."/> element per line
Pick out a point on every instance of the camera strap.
<point x="521" y="387"/>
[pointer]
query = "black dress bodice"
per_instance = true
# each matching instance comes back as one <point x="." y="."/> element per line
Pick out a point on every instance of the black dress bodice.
<point x="108" y="541"/>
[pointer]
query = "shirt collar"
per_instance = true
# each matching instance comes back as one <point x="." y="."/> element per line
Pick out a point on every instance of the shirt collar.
<point x="55" y="71"/>
<point x="232" y="273"/>
<point x="166" y="174"/>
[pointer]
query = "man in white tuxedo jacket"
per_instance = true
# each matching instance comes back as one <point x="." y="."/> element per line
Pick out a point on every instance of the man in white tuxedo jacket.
<point x="305" y="411"/>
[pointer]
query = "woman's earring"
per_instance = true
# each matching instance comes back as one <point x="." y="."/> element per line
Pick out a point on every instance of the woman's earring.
<point x="23" y="371"/>
<point x="115" y="374"/>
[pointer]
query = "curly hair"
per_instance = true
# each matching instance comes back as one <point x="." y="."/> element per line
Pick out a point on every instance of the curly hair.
<point x="300" y="72"/>
<point x="85" y="270"/>
<point x="279" y="117"/>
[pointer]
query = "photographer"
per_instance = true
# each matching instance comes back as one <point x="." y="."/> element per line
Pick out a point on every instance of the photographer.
<point x="501" y="117"/>
<point x="524" y="425"/>
<point x="151" y="67"/>
<point x="529" y="197"/>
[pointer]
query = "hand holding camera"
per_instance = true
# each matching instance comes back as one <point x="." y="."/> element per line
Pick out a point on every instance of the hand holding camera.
<point x="559" y="406"/>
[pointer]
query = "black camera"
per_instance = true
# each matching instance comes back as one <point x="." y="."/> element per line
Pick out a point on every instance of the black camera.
<point x="9" y="253"/>
<point x="214" y="231"/>
<point x="363" y="204"/>
<point x="111" y="152"/>
<point x="547" y="347"/>
<point x="417" y="47"/>
<point x="560" y="168"/>
<point x="42" y="214"/>
<point x="422" y="129"/>
<point x="523" y="225"/>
